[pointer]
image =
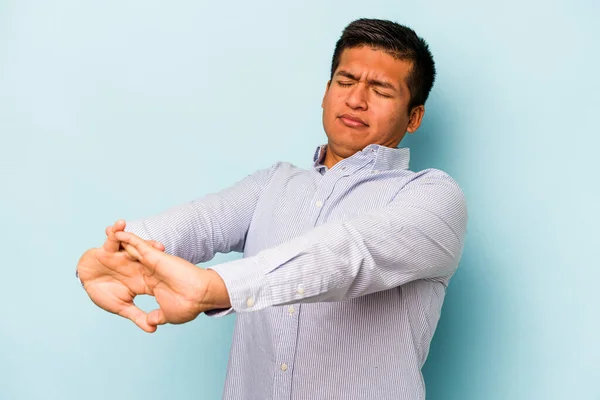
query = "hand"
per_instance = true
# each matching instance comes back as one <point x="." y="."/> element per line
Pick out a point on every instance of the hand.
<point x="112" y="278"/>
<point x="182" y="290"/>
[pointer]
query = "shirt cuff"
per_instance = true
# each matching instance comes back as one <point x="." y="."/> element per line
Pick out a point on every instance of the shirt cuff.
<point x="246" y="285"/>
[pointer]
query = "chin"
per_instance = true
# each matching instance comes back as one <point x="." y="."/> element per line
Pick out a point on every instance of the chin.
<point x="345" y="148"/>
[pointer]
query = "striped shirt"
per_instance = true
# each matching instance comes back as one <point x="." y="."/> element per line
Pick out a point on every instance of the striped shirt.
<point x="343" y="276"/>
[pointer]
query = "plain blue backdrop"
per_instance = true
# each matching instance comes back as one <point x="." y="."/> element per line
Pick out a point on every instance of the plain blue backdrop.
<point x="121" y="109"/>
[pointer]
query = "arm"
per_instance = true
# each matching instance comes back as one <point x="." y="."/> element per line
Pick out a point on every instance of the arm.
<point x="216" y="223"/>
<point x="419" y="235"/>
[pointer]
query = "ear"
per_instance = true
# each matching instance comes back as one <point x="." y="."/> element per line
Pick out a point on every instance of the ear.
<point x="325" y="94"/>
<point x="416" y="116"/>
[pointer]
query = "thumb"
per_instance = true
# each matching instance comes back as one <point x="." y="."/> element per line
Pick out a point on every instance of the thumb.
<point x="156" y="317"/>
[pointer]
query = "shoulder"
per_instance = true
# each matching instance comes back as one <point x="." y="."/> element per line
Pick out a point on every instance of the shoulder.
<point x="437" y="189"/>
<point x="276" y="172"/>
<point x="286" y="169"/>
<point x="432" y="176"/>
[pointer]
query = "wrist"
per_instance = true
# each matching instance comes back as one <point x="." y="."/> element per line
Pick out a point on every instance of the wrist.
<point x="217" y="296"/>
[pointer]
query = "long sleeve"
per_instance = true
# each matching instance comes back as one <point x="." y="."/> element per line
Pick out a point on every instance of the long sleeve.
<point x="419" y="235"/>
<point x="216" y="223"/>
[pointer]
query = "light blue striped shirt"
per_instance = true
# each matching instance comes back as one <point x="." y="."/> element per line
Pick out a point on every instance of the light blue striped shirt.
<point x="343" y="277"/>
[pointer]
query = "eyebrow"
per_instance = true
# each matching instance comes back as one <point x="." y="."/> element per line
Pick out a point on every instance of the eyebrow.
<point x="372" y="82"/>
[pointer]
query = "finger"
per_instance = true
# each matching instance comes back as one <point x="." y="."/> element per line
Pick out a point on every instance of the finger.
<point x="148" y="255"/>
<point x="119" y="226"/>
<point x="158" y="246"/>
<point x="132" y="252"/>
<point x="111" y="244"/>
<point x="138" y="317"/>
<point x="156" y="317"/>
<point x="133" y="255"/>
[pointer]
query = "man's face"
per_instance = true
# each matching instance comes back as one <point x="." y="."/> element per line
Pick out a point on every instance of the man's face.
<point x="367" y="101"/>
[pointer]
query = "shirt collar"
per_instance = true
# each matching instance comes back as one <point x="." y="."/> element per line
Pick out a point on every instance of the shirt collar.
<point x="385" y="158"/>
<point x="319" y="156"/>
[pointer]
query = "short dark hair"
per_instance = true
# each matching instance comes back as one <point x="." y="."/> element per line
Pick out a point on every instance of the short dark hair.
<point x="397" y="40"/>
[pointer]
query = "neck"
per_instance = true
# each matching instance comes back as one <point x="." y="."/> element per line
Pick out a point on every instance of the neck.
<point x="331" y="159"/>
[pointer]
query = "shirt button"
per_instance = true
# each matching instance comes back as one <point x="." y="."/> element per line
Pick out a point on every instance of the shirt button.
<point x="375" y="171"/>
<point x="250" y="301"/>
<point x="319" y="204"/>
<point x="291" y="310"/>
<point x="300" y="289"/>
<point x="284" y="367"/>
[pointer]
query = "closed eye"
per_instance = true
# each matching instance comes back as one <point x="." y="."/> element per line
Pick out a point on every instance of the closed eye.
<point x="387" y="96"/>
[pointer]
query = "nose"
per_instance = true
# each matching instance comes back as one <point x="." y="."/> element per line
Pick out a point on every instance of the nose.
<point x="357" y="97"/>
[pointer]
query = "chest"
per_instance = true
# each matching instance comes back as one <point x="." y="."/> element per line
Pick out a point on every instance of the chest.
<point x="292" y="205"/>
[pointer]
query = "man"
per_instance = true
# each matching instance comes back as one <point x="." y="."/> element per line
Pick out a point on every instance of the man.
<point x="345" y="265"/>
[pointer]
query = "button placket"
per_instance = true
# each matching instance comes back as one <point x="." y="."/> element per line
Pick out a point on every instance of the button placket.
<point x="286" y="352"/>
<point x="324" y="191"/>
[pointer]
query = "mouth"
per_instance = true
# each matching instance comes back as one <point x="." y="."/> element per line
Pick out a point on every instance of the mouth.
<point x="352" y="121"/>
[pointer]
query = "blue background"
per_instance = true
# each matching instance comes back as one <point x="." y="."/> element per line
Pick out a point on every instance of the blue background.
<point x="121" y="109"/>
